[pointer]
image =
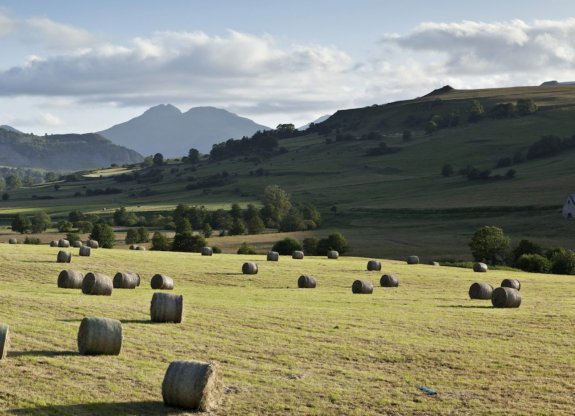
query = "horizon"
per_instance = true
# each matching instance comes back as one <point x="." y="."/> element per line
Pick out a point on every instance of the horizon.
<point x="84" y="68"/>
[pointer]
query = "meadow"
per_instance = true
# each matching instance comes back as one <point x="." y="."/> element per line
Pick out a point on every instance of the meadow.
<point x="284" y="350"/>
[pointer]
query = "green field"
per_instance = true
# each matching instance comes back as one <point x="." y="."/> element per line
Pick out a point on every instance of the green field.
<point x="284" y="350"/>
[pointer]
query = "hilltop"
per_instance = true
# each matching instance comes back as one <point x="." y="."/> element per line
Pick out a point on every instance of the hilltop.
<point x="164" y="128"/>
<point x="61" y="152"/>
<point x="383" y="187"/>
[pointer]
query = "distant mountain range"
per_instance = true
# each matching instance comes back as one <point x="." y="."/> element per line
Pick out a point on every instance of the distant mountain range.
<point x="165" y="129"/>
<point x="316" y="121"/>
<point x="61" y="151"/>
<point x="9" y="128"/>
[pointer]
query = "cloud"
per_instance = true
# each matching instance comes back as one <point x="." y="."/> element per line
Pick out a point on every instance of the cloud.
<point x="55" y="35"/>
<point x="239" y="69"/>
<point x="6" y="25"/>
<point x="479" y="49"/>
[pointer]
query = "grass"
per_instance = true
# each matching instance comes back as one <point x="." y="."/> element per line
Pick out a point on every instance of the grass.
<point x="287" y="351"/>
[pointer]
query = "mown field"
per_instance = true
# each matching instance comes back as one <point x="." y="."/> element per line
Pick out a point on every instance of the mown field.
<point x="284" y="350"/>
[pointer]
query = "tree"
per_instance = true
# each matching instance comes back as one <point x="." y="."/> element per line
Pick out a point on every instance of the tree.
<point x="143" y="235"/>
<point x="246" y="249"/>
<point x="50" y="177"/>
<point x="534" y="263"/>
<point x="158" y="159"/>
<point x="525" y="106"/>
<point x="13" y="181"/>
<point x="207" y="230"/>
<point x="103" y="234"/>
<point x="183" y="226"/>
<point x="277" y="203"/>
<point x="40" y="221"/>
<point x="193" y="156"/>
<point x="255" y="225"/>
<point x="490" y="244"/>
<point x="84" y="226"/>
<point x="476" y="112"/>
<point x="132" y="236"/>
<point x="286" y="246"/>
<point x="563" y="262"/>
<point x="447" y="170"/>
<point x="430" y="127"/>
<point x="160" y="242"/>
<point x="236" y="211"/>
<point x="21" y="224"/>
<point x="188" y="242"/>
<point x="335" y="241"/>
<point x="407" y="135"/>
<point x="526" y="247"/>
<point x="5" y="196"/>
<point x="292" y="221"/>
<point x="2" y="183"/>
<point x="238" y="227"/>
<point x="64" y="226"/>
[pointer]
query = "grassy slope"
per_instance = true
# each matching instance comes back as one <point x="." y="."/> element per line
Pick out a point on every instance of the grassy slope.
<point x="284" y="350"/>
<point x="389" y="205"/>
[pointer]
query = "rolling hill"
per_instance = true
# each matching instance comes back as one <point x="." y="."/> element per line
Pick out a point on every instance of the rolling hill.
<point x="167" y="130"/>
<point x="384" y="190"/>
<point x="61" y="152"/>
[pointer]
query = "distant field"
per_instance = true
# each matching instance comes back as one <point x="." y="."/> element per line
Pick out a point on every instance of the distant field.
<point x="287" y="351"/>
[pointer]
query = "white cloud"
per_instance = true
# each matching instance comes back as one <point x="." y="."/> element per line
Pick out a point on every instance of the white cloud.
<point x="6" y="25"/>
<point x="55" y="35"/>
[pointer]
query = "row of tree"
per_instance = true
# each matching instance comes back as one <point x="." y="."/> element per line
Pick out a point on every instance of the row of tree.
<point x="490" y="244"/>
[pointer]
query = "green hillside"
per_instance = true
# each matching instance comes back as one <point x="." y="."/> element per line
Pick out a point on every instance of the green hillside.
<point x="390" y="204"/>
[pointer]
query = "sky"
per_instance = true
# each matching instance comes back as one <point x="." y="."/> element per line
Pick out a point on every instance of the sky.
<point x="77" y="66"/>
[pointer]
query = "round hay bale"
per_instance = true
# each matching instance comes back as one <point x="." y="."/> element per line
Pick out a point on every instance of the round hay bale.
<point x="63" y="243"/>
<point x="162" y="282"/>
<point x="298" y="255"/>
<point x="140" y="248"/>
<point x="12" y="241"/>
<point x="85" y="251"/>
<point x="373" y="265"/>
<point x="97" y="284"/>
<point x="362" y="286"/>
<point x="506" y="297"/>
<point x="480" y="291"/>
<point x="332" y="254"/>
<point x="126" y="280"/>
<point x="434" y="263"/>
<point x="273" y="256"/>
<point x="513" y="283"/>
<point x="4" y="340"/>
<point x="54" y="243"/>
<point x="77" y="244"/>
<point x="389" y="280"/>
<point x="92" y="244"/>
<point x="100" y="336"/>
<point x="166" y="307"/>
<point x="412" y="260"/>
<point x="207" y="251"/>
<point x="132" y="246"/>
<point x="249" y="268"/>
<point x="306" y="282"/>
<point x="64" y="257"/>
<point x="70" y="279"/>
<point x="192" y="385"/>
<point x="480" y="268"/>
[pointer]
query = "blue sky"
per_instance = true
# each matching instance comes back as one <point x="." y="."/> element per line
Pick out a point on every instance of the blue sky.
<point x="79" y="66"/>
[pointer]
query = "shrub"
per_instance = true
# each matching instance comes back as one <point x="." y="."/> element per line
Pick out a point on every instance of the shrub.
<point x="143" y="235"/>
<point x="534" y="263"/>
<point x="65" y="226"/>
<point x="216" y="249"/>
<point x="31" y="240"/>
<point x="131" y="236"/>
<point x="84" y="226"/>
<point x="563" y="262"/>
<point x="526" y="247"/>
<point x="246" y="249"/>
<point x="286" y="246"/>
<point x="160" y="242"/>
<point x="310" y="246"/>
<point x="188" y="242"/>
<point x="72" y="237"/>
<point x="104" y="235"/>
<point x="335" y="241"/>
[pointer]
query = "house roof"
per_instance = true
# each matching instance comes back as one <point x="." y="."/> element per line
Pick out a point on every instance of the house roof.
<point x="572" y="198"/>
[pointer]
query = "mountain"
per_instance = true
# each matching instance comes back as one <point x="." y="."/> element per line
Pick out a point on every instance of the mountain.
<point x="316" y="121"/>
<point x="62" y="151"/>
<point x="165" y="129"/>
<point x="9" y="128"/>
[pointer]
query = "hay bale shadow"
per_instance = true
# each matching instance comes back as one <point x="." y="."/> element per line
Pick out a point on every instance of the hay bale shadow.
<point x="143" y="408"/>
<point x="41" y="353"/>
<point x="137" y="321"/>
<point x="467" y="306"/>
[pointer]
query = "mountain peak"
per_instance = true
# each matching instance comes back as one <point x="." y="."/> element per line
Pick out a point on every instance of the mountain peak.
<point x="10" y="128"/>
<point x="164" y="109"/>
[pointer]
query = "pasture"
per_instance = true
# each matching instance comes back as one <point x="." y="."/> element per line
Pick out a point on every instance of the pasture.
<point x="284" y="350"/>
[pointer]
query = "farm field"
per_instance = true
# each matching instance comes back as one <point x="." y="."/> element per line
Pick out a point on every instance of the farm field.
<point x="284" y="350"/>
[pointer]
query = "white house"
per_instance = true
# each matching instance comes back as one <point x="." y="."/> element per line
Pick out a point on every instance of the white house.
<point x="568" y="210"/>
